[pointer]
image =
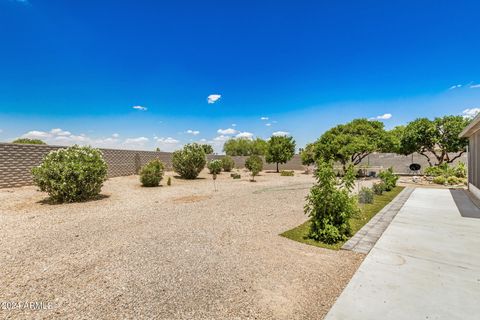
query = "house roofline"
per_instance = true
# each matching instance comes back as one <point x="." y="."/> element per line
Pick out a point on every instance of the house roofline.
<point x="472" y="127"/>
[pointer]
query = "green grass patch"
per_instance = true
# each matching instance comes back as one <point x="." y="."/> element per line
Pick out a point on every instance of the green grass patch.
<point x="368" y="211"/>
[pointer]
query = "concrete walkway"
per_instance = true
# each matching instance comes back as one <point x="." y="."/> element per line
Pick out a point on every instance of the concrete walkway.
<point x="426" y="265"/>
<point x="364" y="240"/>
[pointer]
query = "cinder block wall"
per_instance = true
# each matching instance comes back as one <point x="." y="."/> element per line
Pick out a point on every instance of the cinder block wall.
<point x="17" y="160"/>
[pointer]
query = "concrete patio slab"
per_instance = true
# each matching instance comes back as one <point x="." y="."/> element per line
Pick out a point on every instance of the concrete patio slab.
<point x="426" y="265"/>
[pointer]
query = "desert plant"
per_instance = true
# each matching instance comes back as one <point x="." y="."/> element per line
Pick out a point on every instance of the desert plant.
<point x="365" y="195"/>
<point x="388" y="178"/>
<point x="228" y="163"/>
<point x="330" y="204"/>
<point x="169" y="181"/>
<point x="215" y="166"/>
<point x="207" y="148"/>
<point x="152" y="173"/>
<point x="440" y="180"/>
<point x="236" y="176"/>
<point x="189" y="161"/>
<point x="460" y="171"/>
<point x="254" y="164"/>
<point x="378" y="188"/>
<point x="71" y="174"/>
<point x="287" y="173"/>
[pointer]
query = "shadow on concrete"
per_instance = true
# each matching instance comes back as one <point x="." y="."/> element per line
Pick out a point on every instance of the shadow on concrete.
<point x="468" y="207"/>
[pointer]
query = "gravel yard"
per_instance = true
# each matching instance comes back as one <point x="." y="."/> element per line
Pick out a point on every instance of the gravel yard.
<point x="178" y="252"/>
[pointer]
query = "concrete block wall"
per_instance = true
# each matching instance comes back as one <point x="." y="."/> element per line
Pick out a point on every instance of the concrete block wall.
<point x="17" y="160"/>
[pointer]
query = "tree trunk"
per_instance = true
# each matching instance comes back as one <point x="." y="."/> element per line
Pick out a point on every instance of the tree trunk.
<point x="277" y="167"/>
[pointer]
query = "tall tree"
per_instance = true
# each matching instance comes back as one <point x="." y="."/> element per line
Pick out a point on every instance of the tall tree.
<point x="280" y="149"/>
<point x="308" y="154"/>
<point x="435" y="139"/>
<point x="352" y="142"/>
<point x="245" y="147"/>
<point x="207" y="148"/>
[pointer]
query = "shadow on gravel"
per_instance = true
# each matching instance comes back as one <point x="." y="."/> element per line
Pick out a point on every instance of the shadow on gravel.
<point x="49" y="201"/>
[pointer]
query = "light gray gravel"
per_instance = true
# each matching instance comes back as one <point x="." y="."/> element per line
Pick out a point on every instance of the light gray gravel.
<point x="179" y="252"/>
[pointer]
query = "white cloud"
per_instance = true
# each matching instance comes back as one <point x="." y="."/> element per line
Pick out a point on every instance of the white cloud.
<point x="168" y="144"/>
<point x="264" y="118"/>
<point x="140" y="108"/>
<point x="227" y="131"/>
<point x="213" y="98"/>
<point x="455" y="87"/>
<point x="139" y="140"/>
<point x="470" y="112"/>
<point x="234" y="124"/>
<point x="384" y="116"/>
<point x="268" y="124"/>
<point x="474" y="86"/>
<point x="193" y="132"/>
<point x="280" y="134"/>
<point x="115" y="135"/>
<point x="247" y="135"/>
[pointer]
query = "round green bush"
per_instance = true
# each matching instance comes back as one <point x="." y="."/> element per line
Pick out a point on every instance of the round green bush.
<point x="71" y="174"/>
<point x="152" y="173"/>
<point x="228" y="163"/>
<point x="254" y="164"/>
<point x="378" y="188"/>
<point x="189" y="161"/>
<point x="215" y="166"/>
<point x="440" y="180"/>
<point x="365" y="195"/>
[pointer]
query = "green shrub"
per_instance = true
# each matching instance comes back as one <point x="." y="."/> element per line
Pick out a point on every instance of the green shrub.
<point x="215" y="166"/>
<point x="388" y="178"/>
<point x="460" y="171"/>
<point x="254" y="164"/>
<point x="152" y="173"/>
<point x="228" y="163"/>
<point x="439" y="180"/>
<point x="236" y="176"/>
<point x="287" y="173"/>
<point x="365" y="195"/>
<point x="169" y="181"/>
<point x="71" y="174"/>
<point x="189" y="161"/>
<point x="452" y="180"/>
<point x="330" y="204"/>
<point x="378" y="188"/>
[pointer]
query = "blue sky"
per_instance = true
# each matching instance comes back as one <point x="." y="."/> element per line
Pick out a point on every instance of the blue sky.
<point x="72" y="71"/>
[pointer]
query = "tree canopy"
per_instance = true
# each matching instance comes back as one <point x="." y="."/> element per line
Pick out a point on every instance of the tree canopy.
<point x="28" y="141"/>
<point x="434" y="139"/>
<point x="308" y="154"/>
<point x="207" y="148"/>
<point x="280" y="149"/>
<point x="353" y="141"/>
<point x="245" y="147"/>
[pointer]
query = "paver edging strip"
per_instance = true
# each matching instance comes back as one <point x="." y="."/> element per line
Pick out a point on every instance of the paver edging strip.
<point x="365" y="238"/>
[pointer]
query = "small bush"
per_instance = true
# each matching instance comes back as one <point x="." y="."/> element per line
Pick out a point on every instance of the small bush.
<point x="215" y="166"/>
<point x="152" y="173"/>
<point x="254" y="164"/>
<point x="169" y="181"/>
<point x="330" y="204"/>
<point x="189" y="161"/>
<point x="365" y="195"/>
<point x="236" y="176"/>
<point x="439" y="180"/>
<point x="436" y="171"/>
<point x="71" y="174"/>
<point x="452" y="180"/>
<point x="388" y="178"/>
<point x="378" y="188"/>
<point x="460" y="171"/>
<point x="287" y="173"/>
<point x="228" y="163"/>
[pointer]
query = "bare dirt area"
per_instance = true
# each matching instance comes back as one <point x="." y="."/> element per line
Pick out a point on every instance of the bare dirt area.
<point x="173" y="252"/>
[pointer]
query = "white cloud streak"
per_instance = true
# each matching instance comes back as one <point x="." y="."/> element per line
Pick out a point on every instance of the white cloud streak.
<point x="213" y="98"/>
<point x="227" y="131"/>
<point x="280" y="134"/>
<point x="140" y="108"/>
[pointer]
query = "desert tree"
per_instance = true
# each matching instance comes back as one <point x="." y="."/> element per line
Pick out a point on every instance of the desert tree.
<point x="280" y="149"/>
